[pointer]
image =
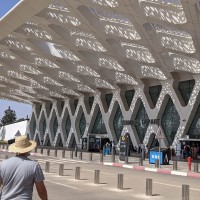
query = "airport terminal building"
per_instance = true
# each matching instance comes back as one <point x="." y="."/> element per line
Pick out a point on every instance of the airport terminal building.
<point x="104" y="68"/>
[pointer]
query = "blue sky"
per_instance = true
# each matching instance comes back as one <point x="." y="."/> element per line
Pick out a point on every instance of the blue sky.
<point x="6" y="5"/>
<point x="22" y="110"/>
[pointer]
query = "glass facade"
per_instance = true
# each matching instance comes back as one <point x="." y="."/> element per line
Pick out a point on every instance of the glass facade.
<point x="170" y="121"/>
<point x="75" y="103"/>
<point x="109" y="99"/>
<point x="55" y="126"/>
<point x="48" y="141"/>
<point x="185" y="88"/>
<point x="154" y="92"/>
<point x="194" y="131"/>
<point x="44" y="127"/>
<point x="99" y="126"/>
<point x="50" y="106"/>
<point x="118" y="122"/>
<point x="141" y="122"/>
<point x="82" y="124"/>
<point x="91" y="100"/>
<point x="62" y="105"/>
<point x="60" y="144"/>
<point x="129" y="94"/>
<point x="34" y="126"/>
<point x="67" y="126"/>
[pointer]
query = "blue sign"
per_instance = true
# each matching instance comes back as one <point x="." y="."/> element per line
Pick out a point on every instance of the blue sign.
<point x="154" y="155"/>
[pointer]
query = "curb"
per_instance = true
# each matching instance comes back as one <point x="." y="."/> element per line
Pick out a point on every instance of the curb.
<point x="156" y="170"/>
<point x="32" y="154"/>
<point x="140" y="168"/>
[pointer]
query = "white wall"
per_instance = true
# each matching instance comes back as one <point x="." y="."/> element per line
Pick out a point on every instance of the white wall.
<point x="8" y="132"/>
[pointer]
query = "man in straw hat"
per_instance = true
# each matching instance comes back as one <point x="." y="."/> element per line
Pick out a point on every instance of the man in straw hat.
<point x="19" y="173"/>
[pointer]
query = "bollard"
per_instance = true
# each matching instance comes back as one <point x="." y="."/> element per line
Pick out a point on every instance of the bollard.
<point x="113" y="152"/>
<point x="41" y="151"/>
<point x="63" y="153"/>
<point x="77" y="173"/>
<point x="48" y="152"/>
<point x="174" y="164"/>
<point x="71" y="154"/>
<point x="3" y="146"/>
<point x="120" y="181"/>
<point x="35" y="150"/>
<point x="90" y="156"/>
<point x="55" y="153"/>
<point x="61" y="169"/>
<point x="148" y="187"/>
<point x="113" y="158"/>
<point x="47" y="166"/>
<point x="140" y="162"/>
<point x="126" y="159"/>
<point x="185" y="192"/>
<point x="6" y="156"/>
<point x="196" y="167"/>
<point x="104" y="151"/>
<point x="7" y="147"/>
<point x="101" y="157"/>
<point x="156" y="163"/>
<point x="75" y="151"/>
<point x="80" y="155"/>
<point x="96" y="176"/>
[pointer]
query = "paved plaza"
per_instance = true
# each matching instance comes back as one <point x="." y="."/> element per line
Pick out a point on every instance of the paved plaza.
<point x="63" y="187"/>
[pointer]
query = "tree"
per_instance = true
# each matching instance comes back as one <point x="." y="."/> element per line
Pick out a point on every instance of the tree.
<point x="9" y="117"/>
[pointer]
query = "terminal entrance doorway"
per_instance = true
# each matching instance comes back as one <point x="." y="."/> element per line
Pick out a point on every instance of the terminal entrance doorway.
<point x="94" y="142"/>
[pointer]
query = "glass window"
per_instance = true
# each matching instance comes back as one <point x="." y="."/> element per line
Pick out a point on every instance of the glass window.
<point x="34" y="126"/>
<point x="141" y="122"/>
<point x="118" y="122"/>
<point x="170" y="121"/>
<point x="99" y="126"/>
<point x="55" y="126"/>
<point x="67" y="126"/>
<point x="44" y="127"/>
<point x="129" y="94"/>
<point x="194" y="131"/>
<point x="185" y="88"/>
<point x="82" y="124"/>
<point x="62" y="105"/>
<point x="154" y="92"/>
<point x="109" y="99"/>
<point x="91" y="100"/>
<point x="75" y="103"/>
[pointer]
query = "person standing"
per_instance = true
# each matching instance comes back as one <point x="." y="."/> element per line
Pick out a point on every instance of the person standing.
<point x="18" y="174"/>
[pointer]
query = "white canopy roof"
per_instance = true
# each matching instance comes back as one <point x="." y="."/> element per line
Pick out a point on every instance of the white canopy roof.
<point x="57" y="49"/>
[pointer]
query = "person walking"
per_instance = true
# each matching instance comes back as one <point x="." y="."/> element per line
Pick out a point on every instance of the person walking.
<point x="18" y="174"/>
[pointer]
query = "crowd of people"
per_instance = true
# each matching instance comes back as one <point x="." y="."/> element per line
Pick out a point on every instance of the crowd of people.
<point x="192" y="151"/>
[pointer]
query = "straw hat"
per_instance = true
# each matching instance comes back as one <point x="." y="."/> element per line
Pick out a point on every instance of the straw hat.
<point x="22" y="145"/>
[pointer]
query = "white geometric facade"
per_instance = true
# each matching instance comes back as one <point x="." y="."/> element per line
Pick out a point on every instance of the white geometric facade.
<point x="56" y="52"/>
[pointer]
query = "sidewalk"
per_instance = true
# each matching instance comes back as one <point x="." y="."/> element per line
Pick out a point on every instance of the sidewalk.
<point x="133" y="163"/>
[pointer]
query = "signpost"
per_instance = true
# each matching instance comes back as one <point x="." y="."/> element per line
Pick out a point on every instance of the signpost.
<point x="159" y="136"/>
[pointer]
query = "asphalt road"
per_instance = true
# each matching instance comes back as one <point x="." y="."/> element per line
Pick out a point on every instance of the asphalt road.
<point x="65" y="187"/>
